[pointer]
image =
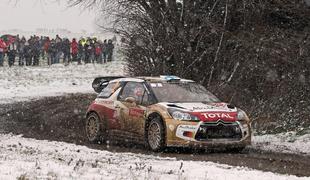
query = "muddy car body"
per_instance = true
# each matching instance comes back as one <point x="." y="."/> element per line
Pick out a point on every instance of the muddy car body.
<point x="165" y="111"/>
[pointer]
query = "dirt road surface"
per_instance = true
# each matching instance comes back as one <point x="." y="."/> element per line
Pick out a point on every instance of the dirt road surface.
<point x="62" y="119"/>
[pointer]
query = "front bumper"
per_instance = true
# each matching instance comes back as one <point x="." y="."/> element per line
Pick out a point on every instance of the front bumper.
<point x="184" y="134"/>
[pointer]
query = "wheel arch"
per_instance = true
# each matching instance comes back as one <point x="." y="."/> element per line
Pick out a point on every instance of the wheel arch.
<point x="92" y="111"/>
<point x="149" y="119"/>
<point x="103" y="120"/>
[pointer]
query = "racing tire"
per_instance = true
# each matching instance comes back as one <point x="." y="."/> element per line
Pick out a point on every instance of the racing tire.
<point x="94" y="128"/>
<point x="156" y="135"/>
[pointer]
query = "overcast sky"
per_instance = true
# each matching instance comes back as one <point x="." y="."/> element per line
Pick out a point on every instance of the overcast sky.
<point x="32" y="14"/>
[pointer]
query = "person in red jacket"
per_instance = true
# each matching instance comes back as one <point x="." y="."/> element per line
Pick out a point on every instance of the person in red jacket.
<point x="74" y="50"/>
<point x="2" y="51"/>
<point x="46" y="47"/>
<point x="98" y="52"/>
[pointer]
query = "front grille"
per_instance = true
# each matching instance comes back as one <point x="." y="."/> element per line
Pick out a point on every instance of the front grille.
<point x="219" y="131"/>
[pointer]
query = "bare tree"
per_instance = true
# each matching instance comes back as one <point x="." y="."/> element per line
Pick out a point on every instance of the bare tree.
<point x="232" y="44"/>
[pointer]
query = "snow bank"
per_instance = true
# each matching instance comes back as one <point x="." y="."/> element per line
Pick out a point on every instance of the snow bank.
<point x="24" y="83"/>
<point x="285" y="142"/>
<point x="34" y="159"/>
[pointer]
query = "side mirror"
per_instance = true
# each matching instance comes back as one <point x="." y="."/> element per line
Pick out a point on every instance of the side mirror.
<point x="130" y="100"/>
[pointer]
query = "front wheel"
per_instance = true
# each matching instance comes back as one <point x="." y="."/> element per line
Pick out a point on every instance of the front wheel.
<point x="93" y="128"/>
<point x="156" y="135"/>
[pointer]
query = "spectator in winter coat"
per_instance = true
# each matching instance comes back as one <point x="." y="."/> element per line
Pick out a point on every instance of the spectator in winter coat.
<point x="28" y="54"/>
<point x="92" y="50"/>
<point x="110" y="48"/>
<point x="42" y="43"/>
<point x="81" y="53"/>
<point x="98" y="53"/>
<point x="12" y="51"/>
<point x="2" y="51"/>
<point x="35" y="49"/>
<point x="87" y="50"/>
<point x="20" y="49"/>
<point x="51" y="53"/>
<point x="58" y="43"/>
<point x="74" y="49"/>
<point x="104" y="51"/>
<point x="66" y="46"/>
<point x="46" y="46"/>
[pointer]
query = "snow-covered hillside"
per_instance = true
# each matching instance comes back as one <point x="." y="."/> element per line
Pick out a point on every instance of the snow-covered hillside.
<point x="24" y="83"/>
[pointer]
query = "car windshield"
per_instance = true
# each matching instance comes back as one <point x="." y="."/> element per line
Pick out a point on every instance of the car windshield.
<point x="182" y="92"/>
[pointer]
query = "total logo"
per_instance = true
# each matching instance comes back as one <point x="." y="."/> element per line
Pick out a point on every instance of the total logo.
<point x="218" y="115"/>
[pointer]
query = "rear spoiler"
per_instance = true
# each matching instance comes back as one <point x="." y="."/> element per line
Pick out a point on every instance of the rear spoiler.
<point x="100" y="83"/>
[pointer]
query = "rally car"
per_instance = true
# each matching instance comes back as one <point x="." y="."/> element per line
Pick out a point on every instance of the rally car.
<point x="164" y="111"/>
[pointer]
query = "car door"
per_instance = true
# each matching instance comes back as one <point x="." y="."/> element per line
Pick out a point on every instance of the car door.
<point x="105" y="107"/>
<point x="132" y="107"/>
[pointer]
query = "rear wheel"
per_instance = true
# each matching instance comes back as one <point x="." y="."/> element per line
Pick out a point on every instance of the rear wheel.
<point x="156" y="135"/>
<point x="94" y="128"/>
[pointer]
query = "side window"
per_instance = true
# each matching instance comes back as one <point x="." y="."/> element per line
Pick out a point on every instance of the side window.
<point x="109" y="90"/>
<point x="145" y="99"/>
<point x="135" y="90"/>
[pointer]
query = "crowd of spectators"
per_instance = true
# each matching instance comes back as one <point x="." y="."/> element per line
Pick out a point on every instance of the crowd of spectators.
<point x="29" y="52"/>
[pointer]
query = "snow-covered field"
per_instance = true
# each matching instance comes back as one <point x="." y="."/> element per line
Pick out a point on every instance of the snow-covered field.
<point x="34" y="159"/>
<point x="24" y="83"/>
<point x="21" y="157"/>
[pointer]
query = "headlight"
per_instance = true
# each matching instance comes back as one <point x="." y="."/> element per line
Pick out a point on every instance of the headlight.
<point x="242" y="118"/>
<point x="182" y="116"/>
<point x="241" y="115"/>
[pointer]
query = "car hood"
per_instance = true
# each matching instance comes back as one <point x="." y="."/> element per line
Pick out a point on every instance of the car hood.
<point x="201" y="107"/>
<point x="206" y="111"/>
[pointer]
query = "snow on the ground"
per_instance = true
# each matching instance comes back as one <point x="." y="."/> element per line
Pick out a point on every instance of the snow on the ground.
<point x="33" y="159"/>
<point x="24" y="83"/>
<point x="286" y="142"/>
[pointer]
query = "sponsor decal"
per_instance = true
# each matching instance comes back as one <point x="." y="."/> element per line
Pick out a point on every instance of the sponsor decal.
<point x="136" y="112"/>
<point x="104" y="102"/>
<point x="186" y="132"/>
<point x="215" y="116"/>
<point x="156" y="85"/>
<point x="202" y="108"/>
<point x="218" y="115"/>
<point x="187" y="127"/>
<point x="219" y="104"/>
<point x="210" y="106"/>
